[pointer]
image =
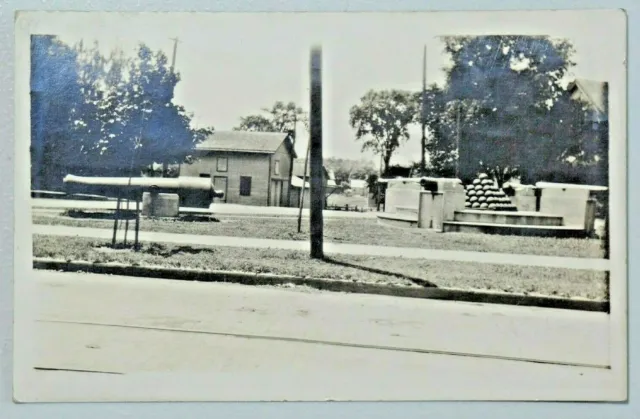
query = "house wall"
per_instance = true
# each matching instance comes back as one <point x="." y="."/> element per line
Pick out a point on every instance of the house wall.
<point x="360" y="191"/>
<point x="282" y="154"/>
<point x="255" y="165"/>
<point x="296" y="191"/>
<point x="295" y="198"/>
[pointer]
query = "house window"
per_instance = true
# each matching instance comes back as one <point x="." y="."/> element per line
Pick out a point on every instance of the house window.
<point x="245" y="185"/>
<point x="276" y="168"/>
<point x="222" y="164"/>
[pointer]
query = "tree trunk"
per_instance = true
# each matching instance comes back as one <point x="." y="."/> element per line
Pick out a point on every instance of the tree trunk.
<point x="386" y="159"/>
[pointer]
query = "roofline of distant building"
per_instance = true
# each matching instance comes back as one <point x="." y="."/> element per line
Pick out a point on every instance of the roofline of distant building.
<point x="234" y="150"/>
<point x="575" y="84"/>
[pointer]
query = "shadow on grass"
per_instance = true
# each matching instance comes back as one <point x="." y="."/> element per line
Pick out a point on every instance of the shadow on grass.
<point x="417" y="281"/>
<point x="193" y="218"/>
<point x="102" y="215"/>
<point x="130" y="214"/>
<point x="158" y="249"/>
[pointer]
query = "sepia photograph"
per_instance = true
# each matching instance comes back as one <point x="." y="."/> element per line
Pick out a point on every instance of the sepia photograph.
<point x="320" y="206"/>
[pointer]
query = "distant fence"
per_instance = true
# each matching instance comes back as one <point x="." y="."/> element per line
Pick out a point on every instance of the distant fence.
<point x="347" y="207"/>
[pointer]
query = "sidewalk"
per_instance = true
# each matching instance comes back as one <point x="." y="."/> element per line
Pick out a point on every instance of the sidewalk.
<point x="215" y="209"/>
<point x="339" y="248"/>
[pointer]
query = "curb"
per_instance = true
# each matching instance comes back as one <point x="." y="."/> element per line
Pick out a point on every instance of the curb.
<point x="434" y="293"/>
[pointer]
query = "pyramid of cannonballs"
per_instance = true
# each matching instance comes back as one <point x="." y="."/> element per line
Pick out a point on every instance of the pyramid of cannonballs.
<point x="483" y="194"/>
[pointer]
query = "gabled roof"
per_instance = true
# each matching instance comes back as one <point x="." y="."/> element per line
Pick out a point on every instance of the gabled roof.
<point x="592" y="92"/>
<point x="297" y="182"/>
<point x="246" y="142"/>
<point x="298" y="169"/>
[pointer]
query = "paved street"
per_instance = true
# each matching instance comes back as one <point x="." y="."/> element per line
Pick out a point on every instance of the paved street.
<point x="340" y="248"/>
<point x="227" y="341"/>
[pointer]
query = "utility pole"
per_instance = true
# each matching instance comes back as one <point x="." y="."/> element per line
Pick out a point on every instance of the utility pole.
<point x="304" y="187"/>
<point x="173" y="57"/>
<point x="423" y="118"/>
<point x="292" y="161"/>
<point x="165" y="164"/>
<point x="317" y="179"/>
<point x="458" y="140"/>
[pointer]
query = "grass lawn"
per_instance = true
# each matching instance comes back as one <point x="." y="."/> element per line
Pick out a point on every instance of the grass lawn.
<point x="344" y="230"/>
<point x="394" y="271"/>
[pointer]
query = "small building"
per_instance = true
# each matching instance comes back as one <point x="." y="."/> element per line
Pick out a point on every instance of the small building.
<point x="301" y="179"/>
<point x="251" y="168"/>
<point x="358" y="187"/>
<point x="593" y="93"/>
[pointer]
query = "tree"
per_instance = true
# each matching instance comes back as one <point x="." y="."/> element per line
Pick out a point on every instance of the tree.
<point x="442" y="119"/>
<point x="139" y="123"/>
<point x="381" y="121"/>
<point x="281" y="117"/>
<point x="55" y="101"/>
<point x="523" y="117"/>
<point x="362" y="169"/>
<point x="346" y="169"/>
<point x="116" y="117"/>
<point x="259" y="123"/>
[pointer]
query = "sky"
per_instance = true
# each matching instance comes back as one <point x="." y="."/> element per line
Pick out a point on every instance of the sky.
<point x="233" y="65"/>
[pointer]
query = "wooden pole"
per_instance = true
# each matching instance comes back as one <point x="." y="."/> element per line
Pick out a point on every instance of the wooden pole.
<point x="126" y="220"/>
<point x="173" y="56"/>
<point x="317" y="181"/>
<point x="115" y="222"/>
<point x="458" y="140"/>
<point x="165" y="164"/>
<point x="136" y="245"/>
<point x="292" y="160"/>
<point x="304" y="181"/>
<point x="423" y="116"/>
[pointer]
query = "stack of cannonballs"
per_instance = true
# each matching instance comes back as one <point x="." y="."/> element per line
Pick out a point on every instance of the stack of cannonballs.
<point x="483" y="194"/>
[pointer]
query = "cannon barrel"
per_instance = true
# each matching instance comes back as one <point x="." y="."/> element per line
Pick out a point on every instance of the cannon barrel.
<point x="193" y="191"/>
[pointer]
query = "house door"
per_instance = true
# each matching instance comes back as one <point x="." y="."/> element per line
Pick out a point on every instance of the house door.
<point x="220" y="184"/>
<point x="276" y="193"/>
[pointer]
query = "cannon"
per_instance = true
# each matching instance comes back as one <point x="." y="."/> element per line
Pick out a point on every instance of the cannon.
<point x="192" y="191"/>
<point x="160" y="196"/>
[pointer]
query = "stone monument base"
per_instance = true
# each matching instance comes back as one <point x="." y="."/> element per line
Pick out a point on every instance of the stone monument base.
<point x="160" y="204"/>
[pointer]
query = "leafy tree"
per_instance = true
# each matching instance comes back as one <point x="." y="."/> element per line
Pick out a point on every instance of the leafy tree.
<point x="118" y="116"/>
<point x="55" y="99"/>
<point x="443" y="117"/>
<point x="256" y="123"/>
<point x="381" y="121"/>
<point x="139" y="123"/>
<point x="346" y="169"/>
<point x="281" y="117"/>
<point x="523" y="117"/>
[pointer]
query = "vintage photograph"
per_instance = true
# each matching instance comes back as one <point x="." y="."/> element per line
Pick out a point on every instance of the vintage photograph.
<point x="320" y="206"/>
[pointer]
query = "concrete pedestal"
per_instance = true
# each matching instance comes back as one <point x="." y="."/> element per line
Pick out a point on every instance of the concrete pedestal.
<point x="570" y="203"/>
<point x="401" y="193"/>
<point x="430" y="210"/>
<point x="525" y="199"/>
<point x="160" y="204"/>
<point x="453" y="200"/>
